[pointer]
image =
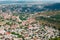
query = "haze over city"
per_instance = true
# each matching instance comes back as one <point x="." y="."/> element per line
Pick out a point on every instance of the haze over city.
<point x="32" y="0"/>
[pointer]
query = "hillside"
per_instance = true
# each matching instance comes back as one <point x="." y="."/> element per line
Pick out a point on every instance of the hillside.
<point x="50" y="18"/>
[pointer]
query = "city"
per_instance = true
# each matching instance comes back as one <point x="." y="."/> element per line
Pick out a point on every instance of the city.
<point x="29" y="22"/>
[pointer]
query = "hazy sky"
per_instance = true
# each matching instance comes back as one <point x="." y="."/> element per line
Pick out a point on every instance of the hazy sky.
<point x="29" y="0"/>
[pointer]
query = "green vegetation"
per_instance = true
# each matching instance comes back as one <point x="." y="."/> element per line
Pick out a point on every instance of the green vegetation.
<point x="53" y="20"/>
<point x="9" y="23"/>
<point x="18" y="35"/>
<point x="23" y="16"/>
<point x="56" y="38"/>
<point x="57" y="16"/>
<point x="47" y="19"/>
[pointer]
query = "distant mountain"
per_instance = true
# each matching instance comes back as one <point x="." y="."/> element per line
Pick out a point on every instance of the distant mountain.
<point x="55" y="6"/>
